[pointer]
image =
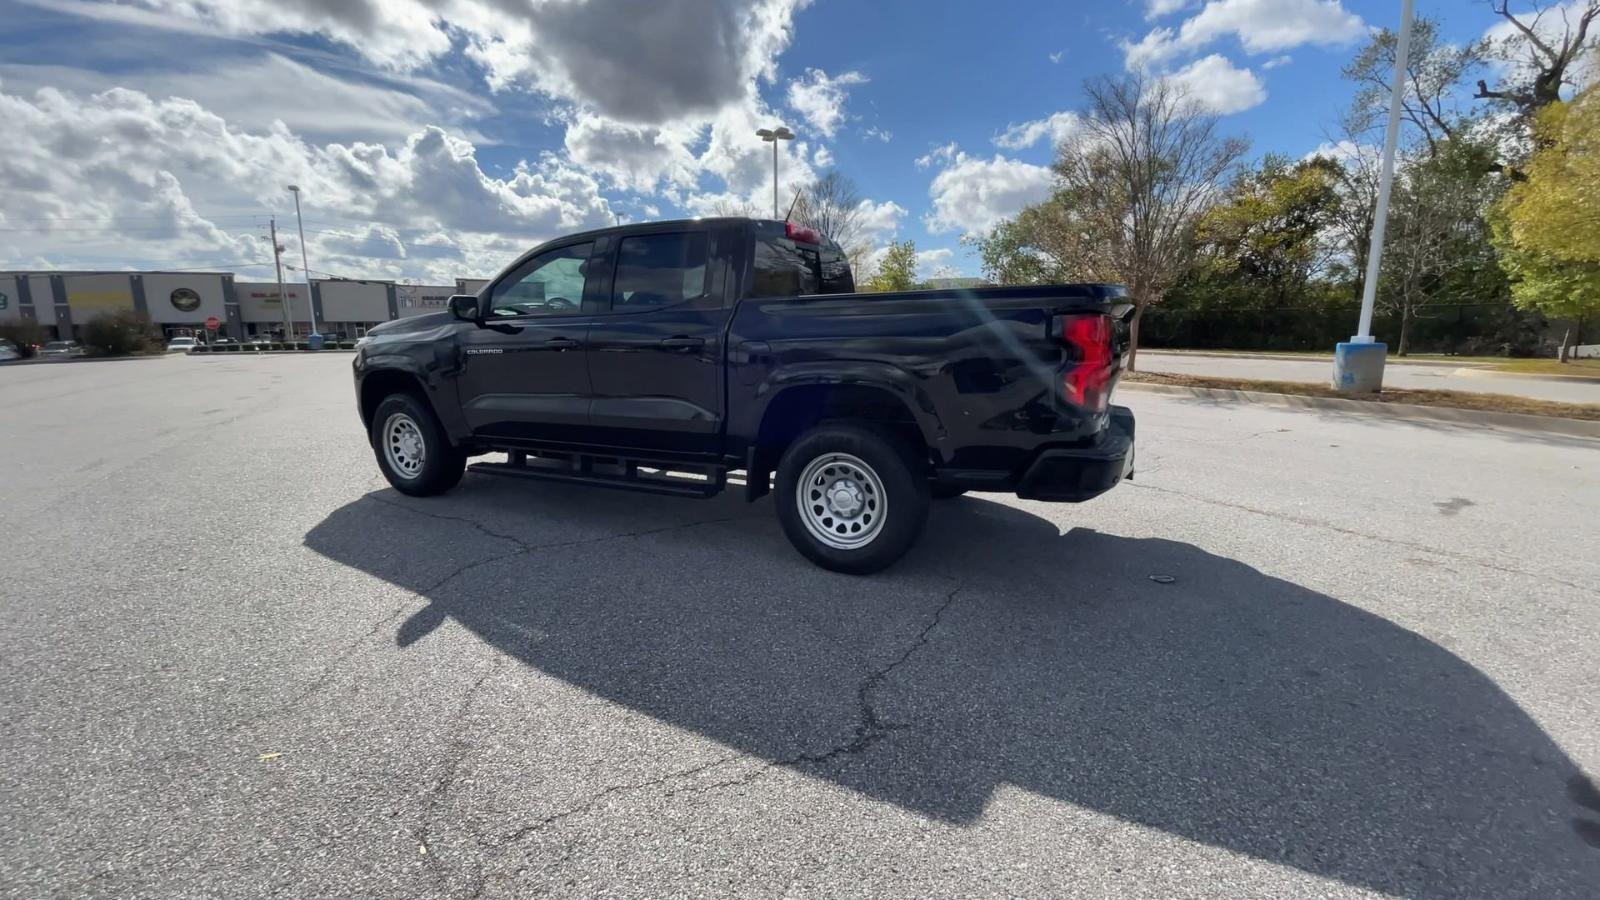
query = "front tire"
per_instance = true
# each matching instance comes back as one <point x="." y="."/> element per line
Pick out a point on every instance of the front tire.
<point x="413" y="452"/>
<point x="848" y="499"/>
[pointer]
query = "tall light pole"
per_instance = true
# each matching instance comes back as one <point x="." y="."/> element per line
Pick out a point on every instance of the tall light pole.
<point x="305" y="267"/>
<point x="1358" y="364"/>
<point x="283" y="297"/>
<point x="773" y="136"/>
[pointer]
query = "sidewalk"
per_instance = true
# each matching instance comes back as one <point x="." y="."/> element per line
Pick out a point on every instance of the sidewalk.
<point x="1416" y="374"/>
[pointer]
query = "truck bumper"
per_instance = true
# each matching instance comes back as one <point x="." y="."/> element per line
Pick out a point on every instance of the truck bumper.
<point x="1083" y="473"/>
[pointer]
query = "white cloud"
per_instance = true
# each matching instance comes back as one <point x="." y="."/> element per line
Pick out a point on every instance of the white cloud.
<point x="1057" y="127"/>
<point x="632" y="157"/>
<point x="935" y="263"/>
<point x="937" y="155"/>
<point x="639" y="114"/>
<point x="130" y="164"/>
<point x="822" y="158"/>
<point x="881" y="134"/>
<point x="1056" y="56"/>
<point x="1155" y="48"/>
<point x="1277" y="61"/>
<point x="972" y="194"/>
<point x="1261" y="26"/>
<point x="301" y="97"/>
<point x="1217" y="85"/>
<point x="622" y="59"/>
<point x="880" y="221"/>
<point x="821" y="98"/>
<point x="1155" y="9"/>
<point x="1347" y="153"/>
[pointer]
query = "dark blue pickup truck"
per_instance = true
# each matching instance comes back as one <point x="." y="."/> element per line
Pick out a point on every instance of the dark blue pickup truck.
<point x="665" y="356"/>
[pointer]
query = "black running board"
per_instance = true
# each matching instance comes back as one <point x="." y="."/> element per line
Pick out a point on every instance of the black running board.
<point x="627" y="479"/>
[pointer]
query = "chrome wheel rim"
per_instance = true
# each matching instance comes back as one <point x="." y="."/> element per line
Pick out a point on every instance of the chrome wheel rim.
<point x="841" y="501"/>
<point x="403" y="446"/>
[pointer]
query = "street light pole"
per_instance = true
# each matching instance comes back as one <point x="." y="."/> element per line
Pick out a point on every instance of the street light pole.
<point x="283" y="297"/>
<point x="305" y="266"/>
<point x="1358" y="364"/>
<point x="773" y="136"/>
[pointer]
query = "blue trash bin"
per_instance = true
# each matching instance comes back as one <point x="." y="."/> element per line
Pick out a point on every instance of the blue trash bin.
<point x="314" y="342"/>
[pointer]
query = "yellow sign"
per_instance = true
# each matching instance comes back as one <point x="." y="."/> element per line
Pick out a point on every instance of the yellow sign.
<point x="100" y="300"/>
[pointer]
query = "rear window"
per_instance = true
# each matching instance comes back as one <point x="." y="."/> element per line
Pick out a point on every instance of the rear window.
<point x="786" y="268"/>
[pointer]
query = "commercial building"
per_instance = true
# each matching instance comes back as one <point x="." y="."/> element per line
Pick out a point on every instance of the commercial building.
<point x="181" y="303"/>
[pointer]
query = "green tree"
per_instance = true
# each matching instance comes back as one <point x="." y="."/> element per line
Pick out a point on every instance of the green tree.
<point x="898" y="269"/>
<point x="25" y="333"/>
<point x="1547" y="228"/>
<point x="1438" y="247"/>
<point x="1265" y="240"/>
<point x="120" y="333"/>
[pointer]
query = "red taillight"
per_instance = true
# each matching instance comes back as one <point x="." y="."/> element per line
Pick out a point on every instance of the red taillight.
<point x="1087" y="379"/>
<point x="801" y="233"/>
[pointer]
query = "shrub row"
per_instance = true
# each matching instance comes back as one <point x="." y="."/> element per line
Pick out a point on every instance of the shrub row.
<point x="282" y="346"/>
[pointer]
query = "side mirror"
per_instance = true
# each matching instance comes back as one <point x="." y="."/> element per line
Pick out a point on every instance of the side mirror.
<point x="465" y="307"/>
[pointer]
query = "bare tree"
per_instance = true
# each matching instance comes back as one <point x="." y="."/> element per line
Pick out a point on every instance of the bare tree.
<point x="1433" y="72"/>
<point x="737" y="209"/>
<point x="1360" y="165"/>
<point x="1133" y="181"/>
<point x="1543" y="55"/>
<point x="832" y="205"/>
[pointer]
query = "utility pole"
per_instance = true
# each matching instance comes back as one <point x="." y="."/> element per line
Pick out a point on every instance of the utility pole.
<point x="1358" y="364"/>
<point x="283" y="298"/>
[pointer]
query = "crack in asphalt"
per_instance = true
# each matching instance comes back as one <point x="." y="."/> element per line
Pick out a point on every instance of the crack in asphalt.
<point x="1353" y="532"/>
<point x="449" y="518"/>
<point x="452" y="766"/>
<point x="869" y="729"/>
<point x="343" y="655"/>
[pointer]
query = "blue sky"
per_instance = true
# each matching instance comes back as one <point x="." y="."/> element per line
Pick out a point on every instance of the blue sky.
<point x="433" y="147"/>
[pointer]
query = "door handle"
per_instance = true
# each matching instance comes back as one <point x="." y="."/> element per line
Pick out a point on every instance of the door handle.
<point x="561" y="343"/>
<point x="683" y="343"/>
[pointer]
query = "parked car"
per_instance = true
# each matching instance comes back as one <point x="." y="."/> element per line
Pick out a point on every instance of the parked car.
<point x="63" y="350"/>
<point x="9" y="351"/>
<point x="662" y="357"/>
<point x="182" y="345"/>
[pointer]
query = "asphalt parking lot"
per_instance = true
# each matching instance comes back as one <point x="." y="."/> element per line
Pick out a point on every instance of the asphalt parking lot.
<point x="236" y="664"/>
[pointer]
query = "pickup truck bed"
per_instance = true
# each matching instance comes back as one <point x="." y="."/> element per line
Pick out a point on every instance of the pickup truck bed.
<point x="622" y="356"/>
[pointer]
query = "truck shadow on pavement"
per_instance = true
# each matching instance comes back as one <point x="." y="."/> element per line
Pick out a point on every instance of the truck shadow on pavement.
<point x="1227" y="707"/>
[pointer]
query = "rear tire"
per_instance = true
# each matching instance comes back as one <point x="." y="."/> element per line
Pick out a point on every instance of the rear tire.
<point x="848" y="498"/>
<point x="413" y="451"/>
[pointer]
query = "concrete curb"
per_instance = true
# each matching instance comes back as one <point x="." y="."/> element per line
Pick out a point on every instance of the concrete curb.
<point x="1517" y="421"/>
<point x="1475" y="369"/>
<point x="1315" y="358"/>
<point x="1532" y="376"/>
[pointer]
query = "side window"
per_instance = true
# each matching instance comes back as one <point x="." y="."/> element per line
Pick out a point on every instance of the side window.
<point x="836" y="277"/>
<point x="784" y="269"/>
<point x="657" y="270"/>
<point x="547" y="285"/>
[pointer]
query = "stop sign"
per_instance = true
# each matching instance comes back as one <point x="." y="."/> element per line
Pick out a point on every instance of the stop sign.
<point x="213" y="322"/>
